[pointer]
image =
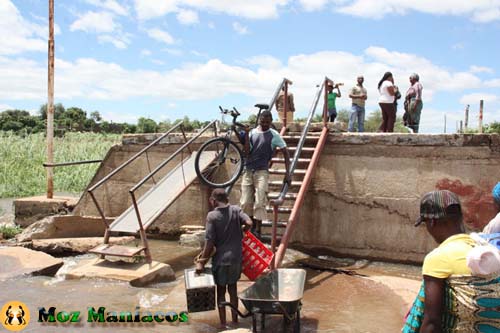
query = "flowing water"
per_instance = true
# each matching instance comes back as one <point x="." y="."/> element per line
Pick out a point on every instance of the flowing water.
<point x="331" y="302"/>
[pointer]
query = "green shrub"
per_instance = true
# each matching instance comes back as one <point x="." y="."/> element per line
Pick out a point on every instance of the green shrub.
<point x="21" y="162"/>
<point x="9" y="231"/>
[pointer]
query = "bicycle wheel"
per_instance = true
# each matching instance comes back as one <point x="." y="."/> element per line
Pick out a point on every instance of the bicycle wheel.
<point x="226" y="165"/>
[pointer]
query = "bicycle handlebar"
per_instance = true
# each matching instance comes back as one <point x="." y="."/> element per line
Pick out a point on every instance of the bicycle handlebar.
<point x="234" y="113"/>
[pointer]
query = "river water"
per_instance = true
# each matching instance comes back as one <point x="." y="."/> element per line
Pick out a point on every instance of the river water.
<point x="331" y="303"/>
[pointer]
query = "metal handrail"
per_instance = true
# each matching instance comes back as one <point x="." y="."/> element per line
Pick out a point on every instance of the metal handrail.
<point x="130" y="160"/>
<point x="115" y="171"/>
<point x="161" y="165"/>
<point x="285" y="82"/>
<point x="279" y="201"/>
<point x="51" y="165"/>
<point x="300" y="145"/>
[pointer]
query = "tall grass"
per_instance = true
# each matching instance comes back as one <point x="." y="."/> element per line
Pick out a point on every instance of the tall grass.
<point x="21" y="159"/>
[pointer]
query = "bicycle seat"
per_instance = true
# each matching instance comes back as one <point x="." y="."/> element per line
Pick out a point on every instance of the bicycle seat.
<point x="262" y="106"/>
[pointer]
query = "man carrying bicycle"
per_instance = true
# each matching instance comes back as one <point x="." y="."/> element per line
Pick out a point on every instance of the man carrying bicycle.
<point x="260" y="144"/>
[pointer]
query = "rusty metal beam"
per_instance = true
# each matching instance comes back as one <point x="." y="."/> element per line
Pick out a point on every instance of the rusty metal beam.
<point x="300" y="198"/>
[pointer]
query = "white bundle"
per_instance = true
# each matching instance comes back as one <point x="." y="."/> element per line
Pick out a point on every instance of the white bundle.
<point x="484" y="260"/>
<point x="493" y="226"/>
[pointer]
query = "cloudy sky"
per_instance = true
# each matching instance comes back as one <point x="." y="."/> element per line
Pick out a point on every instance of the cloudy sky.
<point x="165" y="59"/>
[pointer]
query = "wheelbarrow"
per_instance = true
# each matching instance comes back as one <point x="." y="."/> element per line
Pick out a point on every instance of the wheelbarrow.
<point x="278" y="293"/>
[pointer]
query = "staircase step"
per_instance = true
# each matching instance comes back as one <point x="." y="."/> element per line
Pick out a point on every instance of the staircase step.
<point x="283" y="171"/>
<point x="304" y="149"/>
<point x="275" y="195"/>
<point x="297" y="137"/>
<point x="281" y="209"/>
<point x="282" y="160"/>
<point x="117" y="250"/>
<point x="280" y="182"/>
<point x="281" y="224"/>
<point x="267" y="239"/>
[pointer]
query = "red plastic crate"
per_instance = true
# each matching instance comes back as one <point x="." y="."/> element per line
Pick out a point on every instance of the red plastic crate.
<point x="256" y="257"/>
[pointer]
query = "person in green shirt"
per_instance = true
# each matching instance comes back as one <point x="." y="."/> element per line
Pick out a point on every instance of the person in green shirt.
<point x="332" y="96"/>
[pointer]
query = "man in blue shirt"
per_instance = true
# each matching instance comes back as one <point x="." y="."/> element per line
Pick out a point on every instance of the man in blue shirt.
<point x="260" y="144"/>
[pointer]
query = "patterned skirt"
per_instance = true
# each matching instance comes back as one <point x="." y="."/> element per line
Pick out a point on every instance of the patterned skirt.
<point x="471" y="304"/>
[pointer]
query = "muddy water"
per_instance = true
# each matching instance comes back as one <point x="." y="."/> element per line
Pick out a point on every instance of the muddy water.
<point x="331" y="303"/>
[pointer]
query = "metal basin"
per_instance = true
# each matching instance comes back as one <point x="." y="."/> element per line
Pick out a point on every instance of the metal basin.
<point x="278" y="292"/>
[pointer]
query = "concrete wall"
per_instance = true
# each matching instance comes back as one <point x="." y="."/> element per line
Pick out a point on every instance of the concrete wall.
<point x="364" y="197"/>
<point x="365" y="194"/>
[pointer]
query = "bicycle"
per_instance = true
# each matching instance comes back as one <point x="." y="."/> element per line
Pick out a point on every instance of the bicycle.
<point x="228" y="158"/>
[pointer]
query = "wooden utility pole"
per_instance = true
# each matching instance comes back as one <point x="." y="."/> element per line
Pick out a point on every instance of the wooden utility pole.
<point x="50" y="104"/>
<point x="466" y="125"/>
<point x="481" y="116"/>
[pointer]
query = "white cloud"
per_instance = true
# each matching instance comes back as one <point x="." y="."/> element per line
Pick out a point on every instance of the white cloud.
<point x="458" y="46"/>
<point x="111" y="5"/>
<point x="434" y="77"/>
<point x="211" y="25"/>
<point x="199" y="54"/>
<point x="239" y="28"/>
<point x="120" y="41"/>
<point x="145" y="53"/>
<point x="480" y="69"/>
<point x="147" y="9"/>
<point x="4" y="107"/>
<point x="255" y="9"/>
<point x="161" y="36"/>
<point x="474" y="98"/>
<point x="96" y="22"/>
<point x="187" y="17"/>
<point x="495" y="83"/>
<point x="93" y="79"/>
<point x="312" y="5"/>
<point x="265" y="61"/>
<point x="478" y="10"/>
<point x="174" y="52"/>
<point x="18" y="34"/>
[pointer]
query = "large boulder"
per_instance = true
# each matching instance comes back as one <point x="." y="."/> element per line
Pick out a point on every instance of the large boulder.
<point x="137" y="274"/>
<point x="21" y="261"/>
<point x="194" y="239"/>
<point x="32" y="209"/>
<point x="65" y="226"/>
<point x="70" y="246"/>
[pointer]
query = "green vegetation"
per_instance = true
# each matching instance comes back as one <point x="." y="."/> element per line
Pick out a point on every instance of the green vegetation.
<point x="21" y="159"/>
<point x="10" y="231"/>
<point x="492" y="128"/>
<point x="74" y="119"/>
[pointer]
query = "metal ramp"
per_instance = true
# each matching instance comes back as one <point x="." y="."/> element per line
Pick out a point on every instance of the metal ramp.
<point x="145" y="209"/>
<point x="159" y="197"/>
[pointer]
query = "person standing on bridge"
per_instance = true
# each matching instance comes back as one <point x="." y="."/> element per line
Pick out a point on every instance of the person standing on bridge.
<point x="358" y="95"/>
<point x="260" y="144"/>
<point x="280" y="106"/>
<point x="331" y="98"/>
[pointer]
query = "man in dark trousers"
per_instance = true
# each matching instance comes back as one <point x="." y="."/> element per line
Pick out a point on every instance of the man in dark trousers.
<point x="260" y="144"/>
<point x="224" y="230"/>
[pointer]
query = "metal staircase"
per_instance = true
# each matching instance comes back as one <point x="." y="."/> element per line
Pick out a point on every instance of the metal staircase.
<point x="287" y="200"/>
